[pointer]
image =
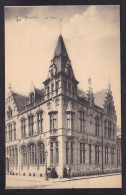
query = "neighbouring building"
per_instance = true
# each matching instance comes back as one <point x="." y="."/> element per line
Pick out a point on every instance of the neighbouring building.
<point x="77" y="129"/>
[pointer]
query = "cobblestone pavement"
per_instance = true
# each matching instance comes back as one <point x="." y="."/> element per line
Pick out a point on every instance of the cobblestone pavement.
<point x="100" y="181"/>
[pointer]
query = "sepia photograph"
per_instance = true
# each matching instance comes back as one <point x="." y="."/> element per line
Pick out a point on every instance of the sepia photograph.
<point x="62" y="97"/>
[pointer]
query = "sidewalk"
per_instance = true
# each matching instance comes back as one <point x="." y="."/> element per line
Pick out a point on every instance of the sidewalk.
<point x="40" y="179"/>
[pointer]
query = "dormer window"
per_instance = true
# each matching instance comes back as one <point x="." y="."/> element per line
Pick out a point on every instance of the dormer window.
<point x="52" y="74"/>
<point x="9" y="112"/>
<point x="31" y="98"/>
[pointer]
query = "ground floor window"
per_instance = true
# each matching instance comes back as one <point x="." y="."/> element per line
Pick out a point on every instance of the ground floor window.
<point x="24" y="155"/>
<point x="106" y="155"/>
<point x="32" y="154"/>
<point x="90" y="151"/>
<point x="96" y="154"/>
<point x="82" y="153"/>
<point x="41" y="149"/>
<point x="112" y="156"/>
<point x="54" y="152"/>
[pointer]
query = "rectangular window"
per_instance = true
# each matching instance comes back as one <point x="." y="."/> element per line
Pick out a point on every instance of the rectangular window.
<point x="39" y="122"/>
<point x="53" y="120"/>
<point x="112" y="156"/>
<point x="31" y="124"/>
<point x="13" y="157"/>
<point x="105" y="129"/>
<point x="82" y="121"/>
<point x="69" y="88"/>
<point x="47" y="89"/>
<point x="106" y="155"/>
<point x="118" y="157"/>
<point x="24" y="156"/>
<point x="97" y="154"/>
<point x="23" y="132"/>
<point x="51" y="152"/>
<point x="57" y="153"/>
<point x="97" y="124"/>
<point x="72" y="149"/>
<point x="90" y="153"/>
<point x="82" y="153"/>
<point x="14" y="131"/>
<point x="113" y="131"/>
<point x="10" y="157"/>
<point x="67" y="152"/>
<point x="65" y="86"/>
<point x="70" y="120"/>
<point x="52" y="87"/>
<point x="57" y="87"/>
<point x="109" y="129"/>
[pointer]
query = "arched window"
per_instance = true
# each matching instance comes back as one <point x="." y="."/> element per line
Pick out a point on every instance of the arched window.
<point x="24" y="155"/>
<point x="32" y="154"/>
<point x="23" y="125"/>
<point x="41" y="149"/>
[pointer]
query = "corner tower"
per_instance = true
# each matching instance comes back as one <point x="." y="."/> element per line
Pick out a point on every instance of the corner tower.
<point x="61" y="78"/>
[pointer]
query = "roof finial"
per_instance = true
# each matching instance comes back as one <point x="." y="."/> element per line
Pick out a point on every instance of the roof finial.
<point x="109" y="85"/>
<point x="60" y="25"/>
<point x="32" y="86"/>
<point x="89" y="84"/>
<point x="10" y="87"/>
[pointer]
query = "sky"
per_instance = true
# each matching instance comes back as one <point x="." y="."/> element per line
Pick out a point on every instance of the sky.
<point x="91" y="35"/>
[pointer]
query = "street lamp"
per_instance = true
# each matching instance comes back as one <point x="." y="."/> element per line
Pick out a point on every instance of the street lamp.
<point x="46" y="175"/>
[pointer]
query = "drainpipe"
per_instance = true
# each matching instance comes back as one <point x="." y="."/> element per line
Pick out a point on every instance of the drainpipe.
<point x="102" y="144"/>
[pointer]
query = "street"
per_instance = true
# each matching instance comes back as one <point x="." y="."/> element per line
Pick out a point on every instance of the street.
<point x="101" y="181"/>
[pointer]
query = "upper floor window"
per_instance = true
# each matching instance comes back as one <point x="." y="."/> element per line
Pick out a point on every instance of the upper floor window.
<point x="10" y="131"/>
<point x="23" y="129"/>
<point x="109" y="129"/>
<point x="47" y="91"/>
<point x="109" y="109"/>
<point x="52" y="74"/>
<point x="14" y="131"/>
<point x="52" y="87"/>
<point x="113" y="131"/>
<point x="69" y="88"/>
<point x="31" y="125"/>
<point x="97" y="125"/>
<point x="105" y="129"/>
<point x="70" y="120"/>
<point x="57" y="87"/>
<point x="82" y="121"/>
<point x="39" y="122"/>
<point x="97" y="154"/>
<point x="53" y="120"/>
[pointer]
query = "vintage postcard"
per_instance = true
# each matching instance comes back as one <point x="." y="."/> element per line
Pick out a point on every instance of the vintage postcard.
<point x="63" y="99"/>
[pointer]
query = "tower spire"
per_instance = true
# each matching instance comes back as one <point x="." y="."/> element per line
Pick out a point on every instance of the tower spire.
<point x="109" y="85"/>
<point x="60" y="25"/>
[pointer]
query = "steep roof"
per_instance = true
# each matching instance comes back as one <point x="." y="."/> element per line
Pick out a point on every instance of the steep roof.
<point x="61" y="58"/>
<point x="99" y="97"/>
<point x="60" y="49"/>
<point x="81" y="93"/>
<point x="19" y="100"/>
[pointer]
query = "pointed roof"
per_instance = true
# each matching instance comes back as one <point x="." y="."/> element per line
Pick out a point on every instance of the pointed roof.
<point x="19" y="100"/>
<point x="60" y="49"/>
<point x="99" y="98"/>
